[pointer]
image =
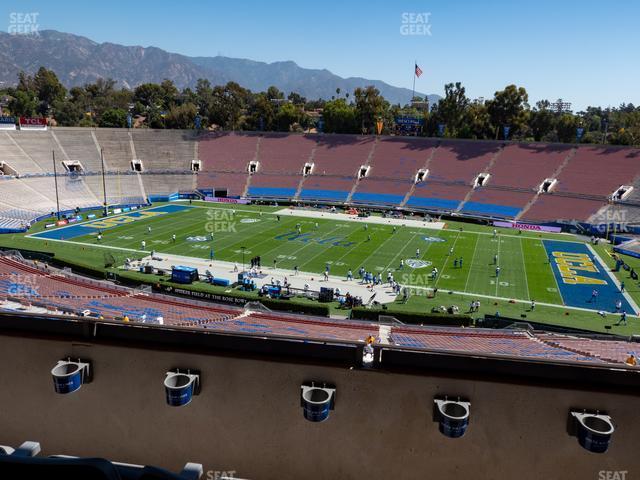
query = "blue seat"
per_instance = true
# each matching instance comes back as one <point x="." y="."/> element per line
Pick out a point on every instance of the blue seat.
<point x="430" y="202"/>
<point x="491" y="209"/>
<point x="312" y="194"/>
<point x="367" y="197"/>
<point x="272" y="192"/>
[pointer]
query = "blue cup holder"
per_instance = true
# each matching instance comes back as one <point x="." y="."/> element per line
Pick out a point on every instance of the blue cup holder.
<point x="69" y="376"/>
<point x="180" y="388"/>
<point x="594" y="431"/>
<point x="317" y="402"/>
<point x="453" y="417"/>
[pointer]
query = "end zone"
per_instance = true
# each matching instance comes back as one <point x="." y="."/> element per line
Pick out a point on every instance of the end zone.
<point x="106" y="223"/>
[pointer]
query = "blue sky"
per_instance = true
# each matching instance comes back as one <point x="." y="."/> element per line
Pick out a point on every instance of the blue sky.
<point x="585" y="52"/>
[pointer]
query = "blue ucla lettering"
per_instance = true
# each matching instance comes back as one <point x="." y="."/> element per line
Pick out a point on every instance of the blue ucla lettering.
<point x="343" y="244"/>
<point x="291" y="235"/>
<point x="327" y="240"/>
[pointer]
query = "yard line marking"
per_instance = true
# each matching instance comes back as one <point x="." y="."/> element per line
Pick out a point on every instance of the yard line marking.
<point x="498" y="264"/>
<point x="475" y="249"/>
<point x="321" y="252"/>
<point x="524" y="269"/>
<point x="393" y="260"/>
<point x="444" y="266"/>
<point x="374" y="252"/>
<point x="553" y="274"/>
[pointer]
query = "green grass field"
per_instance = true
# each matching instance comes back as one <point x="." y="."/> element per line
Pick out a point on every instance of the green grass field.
<point x="525" y="270"/>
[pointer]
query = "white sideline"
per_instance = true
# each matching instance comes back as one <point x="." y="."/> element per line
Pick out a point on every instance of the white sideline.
<point x="343" y="217"/>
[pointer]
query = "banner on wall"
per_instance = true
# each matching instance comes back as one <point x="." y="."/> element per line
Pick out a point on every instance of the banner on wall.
<point x="28" y="123"/>
<point x="528" y="226"/>
<point x="7" y="123"/>
<point x="239" y="201"/>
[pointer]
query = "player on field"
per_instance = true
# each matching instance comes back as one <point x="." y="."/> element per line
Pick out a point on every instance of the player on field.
<point x="149" y="229"/>
<point x="497" y="272"/>
<point x="401" y="264"/>
<point x="495" y="259"/>
<point x="495" y="233"/>
<point x="99" y="237"/>
<point x="173" y="238"/>
<point x="349" y="275"/>
<point x="623" y="318"/>
<point x="144" y="244"/>
<point x="417" y="253"/>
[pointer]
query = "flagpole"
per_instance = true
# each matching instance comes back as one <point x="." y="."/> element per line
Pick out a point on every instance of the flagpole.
<point x="413" y="91"/>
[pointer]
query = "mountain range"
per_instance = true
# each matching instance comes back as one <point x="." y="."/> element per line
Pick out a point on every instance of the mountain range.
<point x="78" y="60"/>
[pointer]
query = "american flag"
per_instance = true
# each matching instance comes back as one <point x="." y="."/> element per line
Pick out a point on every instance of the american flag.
<point x="418" y="71"/>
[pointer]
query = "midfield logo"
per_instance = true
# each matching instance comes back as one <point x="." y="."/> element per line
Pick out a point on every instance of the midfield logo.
<point x="413" y="263"/>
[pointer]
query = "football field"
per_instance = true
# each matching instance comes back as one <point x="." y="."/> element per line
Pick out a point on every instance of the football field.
<point x="550" y="269"/>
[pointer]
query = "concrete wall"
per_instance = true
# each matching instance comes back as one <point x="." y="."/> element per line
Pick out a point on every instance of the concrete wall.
<point x="248" y="419"/>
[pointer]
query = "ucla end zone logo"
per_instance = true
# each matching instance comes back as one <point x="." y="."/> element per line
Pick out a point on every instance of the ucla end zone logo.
<point x="582" y="277"/>
<point x="413" y="263"/>
<point x="434" y="239"/>
<point x="250" y="220"/>
<point x="198" y="238"/>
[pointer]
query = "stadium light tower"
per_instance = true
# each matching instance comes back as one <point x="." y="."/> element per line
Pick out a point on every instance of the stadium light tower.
<point x="561" y="106"/>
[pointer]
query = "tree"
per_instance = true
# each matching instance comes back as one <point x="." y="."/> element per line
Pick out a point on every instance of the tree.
<point x="169" y="94"/>
<point x="274" y="94"/>
<point x="262" y="113"/>
<point x="566" y="128"/>
<point x="509" y="107"/>
<point x="48" y="87"/>
<point x="477" y="122"/>
<point x="296" y="98"/>
<point x="23" y="104"/>
<point x="150" y="95"/>
<point x="339" y="117"/>
<point x="67" y="113"/>
<point x="542" y="120"/>
<point x="370" y="107"/>
<point x="288" y="115"/>
<point x="227" y="105"/>
<point x="181" y="116"/>
<point x="452" y="110"/>
<point x="113" y="118"/>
